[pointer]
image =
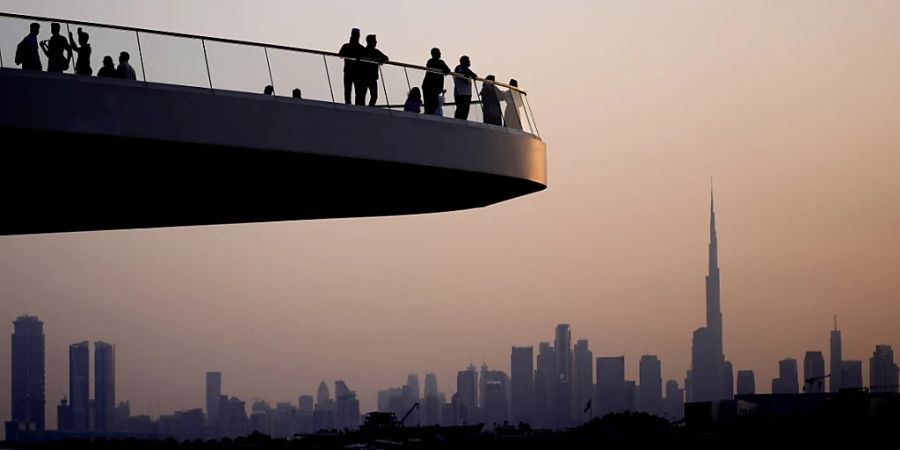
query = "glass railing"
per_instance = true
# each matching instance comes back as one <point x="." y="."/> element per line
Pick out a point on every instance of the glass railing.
<point x="231" y="65"/>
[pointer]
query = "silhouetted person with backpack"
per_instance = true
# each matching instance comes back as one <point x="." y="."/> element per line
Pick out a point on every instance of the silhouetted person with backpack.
<point x="27" y="54"/>
<point x="125" y="71"/>
<point x="83" y="48"/>
<point x="462" y="88"/>
<point x="433" y="84"/>
<point x="351" y="51"/>
<point x="368" y="71"/>
<point x="109" y="68"/>
<point x="57" y="51"/>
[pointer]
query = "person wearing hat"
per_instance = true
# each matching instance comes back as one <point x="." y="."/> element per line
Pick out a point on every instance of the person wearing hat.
<point x="351" y="52"/>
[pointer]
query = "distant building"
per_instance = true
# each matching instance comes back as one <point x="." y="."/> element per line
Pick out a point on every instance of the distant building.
<point x="467" y="389"/>
<point x="305" y="404"/>
<point x="650" y="391"/>
<point x="261" y="418"/>
<point x="213" y="394"/>
<point x="522" y="384"/>
<point x="708" y="378"/>
<point x="786" y="383"/>
<point x="611" y="388"/>
<point x="746" y="382"/>
<point x="496" y="407"/>
<point x="727" y="381"/>
<point x="105" y="386"/>
<point x="80" y="386"/>
<point x="64" y="415"/>
<point x="851" y="374"/>
<point x="562" y="401"/>
<point x="232" y="421"/>
<point x="431" y="385"/>
<point x="347" y="410"/>
<point x="28" y="373"/>
<point x="883" y="376"/>
<point x="544" y="385"/>
<point x="674" y="402"/>
<point x="323" y="397"/>
<point x="836" y="382"/>
<point x="814" y="373"/>
<point x="583" y="377"/>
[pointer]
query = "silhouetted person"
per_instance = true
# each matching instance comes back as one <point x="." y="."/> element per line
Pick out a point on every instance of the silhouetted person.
<point x="269" y="90"/>
<point x="490" y="101"/>
<point x="109" y="68"/>
<point x="296" y="93"/>
<point x="462" y="88"/>
<point x="433" y="84"/>
<point x="57" y="51"/>
<point x="125" y="71"/>
<point x="27" y="54"/>
<point x="83" y="48"/>
<point x="413" y="101"/>
<point x="513" y="99"/>
<point x="368" y="71"/>
<point x="351" y="51"/>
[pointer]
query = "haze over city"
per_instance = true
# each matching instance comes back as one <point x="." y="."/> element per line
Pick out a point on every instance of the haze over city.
<point x="791" y="108"/>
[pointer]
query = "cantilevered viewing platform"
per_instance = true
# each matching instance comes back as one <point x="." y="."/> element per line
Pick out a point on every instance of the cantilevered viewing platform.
<point x="195" y="142"/>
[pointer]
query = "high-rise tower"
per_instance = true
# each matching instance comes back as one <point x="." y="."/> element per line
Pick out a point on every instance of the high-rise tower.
<point x="709" y="380"/>
<point x="836" y="379"/>
<point x="28" y="372"/>
<point x="105" y="386"/>
<point x="80" y="385"/>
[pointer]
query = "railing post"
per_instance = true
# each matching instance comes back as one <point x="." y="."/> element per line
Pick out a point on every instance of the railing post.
<point x="387" y="99"/>
<point x="141" y="54"/>
<point x="271" y="79"/>
<point x="408" y="84"/>
<point x="328" y="75"/>
<point x="531" y="114"/>
<point x="1" y="59"/>
<point x="206" y="58"/>
<point x="527" y="114"/>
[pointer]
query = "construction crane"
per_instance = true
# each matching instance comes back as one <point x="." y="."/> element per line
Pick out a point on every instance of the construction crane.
<point x="414" y="407"/>
<point x="809" y="382"/>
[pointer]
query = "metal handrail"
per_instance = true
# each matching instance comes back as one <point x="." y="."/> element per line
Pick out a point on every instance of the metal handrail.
<point x="250" y="44"/>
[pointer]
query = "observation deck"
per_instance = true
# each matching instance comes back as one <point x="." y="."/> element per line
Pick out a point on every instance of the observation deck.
<point x="194" y="141"/>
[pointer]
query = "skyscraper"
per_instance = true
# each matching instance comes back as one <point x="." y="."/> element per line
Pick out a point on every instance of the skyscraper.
<point x="674" y="402"/>
<point x="583" y="389"/>
<point x="431" y="385"/>
<point x="814" y="373"/>
<point x="746" y="382"/>
<point x="851" y="374"/>
<point x="836" y="366"/>
<point x="611" y="390"/>
<point x="28" y="372"/>
<point x="80" y="385"/>
<point x="213" y="396"/>
<point x="347" y="407"/>
<point x="883" y="370"/>
<point x="650" y="390"/>
<point x="708" y="359"/>
<point x="786" y="383"/>
<point x="544" y="383"/>
<point x="522" y="384"/>
<point x="562" y="401"/>
<point x="105" y="385"/>
<point x="467" y="390"/>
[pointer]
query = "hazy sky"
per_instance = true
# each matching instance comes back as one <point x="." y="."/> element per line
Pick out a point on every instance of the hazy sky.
<point x="793" y="107"/>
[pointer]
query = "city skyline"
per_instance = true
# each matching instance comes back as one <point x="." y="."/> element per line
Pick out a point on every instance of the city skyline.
<point x="789" y="106"/>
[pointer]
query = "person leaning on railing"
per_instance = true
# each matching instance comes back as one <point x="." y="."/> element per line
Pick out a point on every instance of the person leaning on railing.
<point x="368" y="69"/>
<point x="433" y="84"/>
<point x="462" y="88"/>
<point x="513" y="99"/>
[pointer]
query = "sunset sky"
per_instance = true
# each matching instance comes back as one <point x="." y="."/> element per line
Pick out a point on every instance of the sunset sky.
<point x="792" y="107"/>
